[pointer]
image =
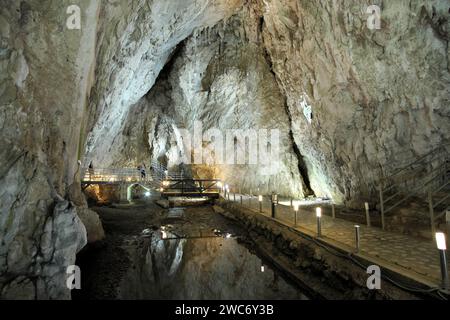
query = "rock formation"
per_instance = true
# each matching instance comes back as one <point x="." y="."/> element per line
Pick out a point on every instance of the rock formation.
<point x="49" y="75"/>
<point x="351" y="104"/>
<point x="379" y="98"/>
<point x="364" y="89"/>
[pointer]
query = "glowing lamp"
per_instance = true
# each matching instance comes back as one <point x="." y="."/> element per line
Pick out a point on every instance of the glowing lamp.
<point x="318" y="212"/>
<point x="440" y="241"/>
<point x="319" y="221"/>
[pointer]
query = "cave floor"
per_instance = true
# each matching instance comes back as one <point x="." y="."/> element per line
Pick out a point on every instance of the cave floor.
<point x="179" y="253"/>
<point x="105" y="263"/>
<point x="413" y="257"/>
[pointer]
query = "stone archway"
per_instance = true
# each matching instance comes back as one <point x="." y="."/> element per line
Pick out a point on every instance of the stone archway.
<point x="130" y="190"/>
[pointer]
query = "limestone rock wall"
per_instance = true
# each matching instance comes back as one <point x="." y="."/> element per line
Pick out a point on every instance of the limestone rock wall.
<point x="56" y="85"/>
<point x="353" y="104"/>
<point x="45" y="70"/>
<point x="220" y="77"/>
<point x="379" y="98"/>
<point x="135" y="41"/>
<point x="137" y="73"/>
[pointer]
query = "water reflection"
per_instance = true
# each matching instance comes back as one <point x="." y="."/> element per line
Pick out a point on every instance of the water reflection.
<point x="219" y="233"/>
<point x="172" y="267"/>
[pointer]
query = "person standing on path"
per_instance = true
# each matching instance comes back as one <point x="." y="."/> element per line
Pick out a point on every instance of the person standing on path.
<point x="91" y="171"/>
<point x="143" y="172"/>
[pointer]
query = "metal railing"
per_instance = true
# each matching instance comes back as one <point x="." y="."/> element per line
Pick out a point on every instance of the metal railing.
<point x="426" y="173"/>
<point x="439" y="196"/>
<point x="416" y="165"/>
<point x="191" y="187"/>
<point x="159" y="170"/>
<point x="111" y="175"/>
<point x="163" y="173"/>
<point x="154" y="176"/>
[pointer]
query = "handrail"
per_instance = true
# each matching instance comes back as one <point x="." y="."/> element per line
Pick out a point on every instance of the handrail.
<point x="417" y="176"/>
<point x="433" y="205"/>
<point x="432" y="179"/>
<point x="414" y="190"/>
<point x="443" y="186"/>
<point x="436" y="204"/>
<point x="440" y="150"/>
<point x="191" y="186"/>
<point x="391" y="197"/>
<point x="398" y="203"/>
<point x="411" y="177"/>
<point x="414" y="177"/>
<point x="156" y="174"/>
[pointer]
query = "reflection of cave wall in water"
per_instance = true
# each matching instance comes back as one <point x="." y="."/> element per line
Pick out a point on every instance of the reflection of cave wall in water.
<point x="208" y="268"/>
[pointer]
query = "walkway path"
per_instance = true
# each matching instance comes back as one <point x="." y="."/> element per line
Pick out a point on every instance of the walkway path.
<point x="414" y="257"/>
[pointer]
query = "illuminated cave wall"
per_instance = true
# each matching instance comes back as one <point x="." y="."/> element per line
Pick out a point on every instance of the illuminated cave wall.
<point x="352" y="104"/>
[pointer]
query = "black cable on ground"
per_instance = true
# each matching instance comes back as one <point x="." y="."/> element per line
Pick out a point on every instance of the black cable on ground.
<point x="394" y="282"/>
<point x="351" y="258"/>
